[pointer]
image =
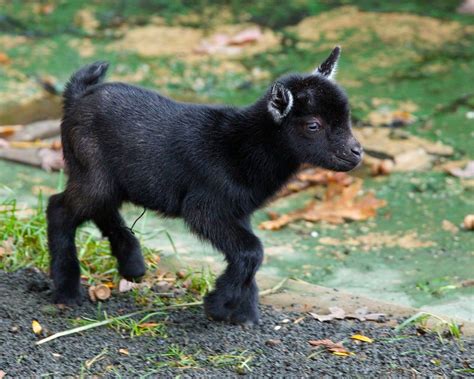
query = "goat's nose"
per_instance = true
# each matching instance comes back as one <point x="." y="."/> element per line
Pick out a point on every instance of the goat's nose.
<point x="357" y="150"/>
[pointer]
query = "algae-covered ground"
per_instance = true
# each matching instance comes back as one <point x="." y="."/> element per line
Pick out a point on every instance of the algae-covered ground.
<point x="396" y="55"/>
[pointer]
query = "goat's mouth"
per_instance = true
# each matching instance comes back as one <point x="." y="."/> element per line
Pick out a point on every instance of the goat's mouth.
<point x="344" y="163"/>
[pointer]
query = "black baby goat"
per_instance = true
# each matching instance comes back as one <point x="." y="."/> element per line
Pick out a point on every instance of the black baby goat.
<point x="211" y="165"/>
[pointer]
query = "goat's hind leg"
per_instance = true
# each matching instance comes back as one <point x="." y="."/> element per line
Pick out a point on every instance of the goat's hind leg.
<point x="124" y="245"/>
<point x="65" y="269"/>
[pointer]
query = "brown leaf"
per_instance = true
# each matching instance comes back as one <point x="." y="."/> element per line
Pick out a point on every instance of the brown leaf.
<point x="362" y="314"/>
<point x="333" y="347"/>
<point x="124" y="352"/>
<point x="340" y="204"/>
<point x="325" y="343"/>
<point x="361" y="337"/>
<point x="335" y="313"/>
<point x="9" y="130"/>
<point x="467" y="283"/>
<point x="465" y="173"/>
<point x="4" y="58"/>
<point x="449" y="226"/>
<point x="148" y="325"/>
<point x="312" y="176"/>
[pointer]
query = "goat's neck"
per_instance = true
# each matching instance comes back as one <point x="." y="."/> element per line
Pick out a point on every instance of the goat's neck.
<point x="260" y="151"/>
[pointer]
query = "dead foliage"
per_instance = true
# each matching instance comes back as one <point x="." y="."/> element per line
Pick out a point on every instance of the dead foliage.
<point x="405" y="151"/>
<point x="340" y="203"/>
<point x="313" y="176"/>
<point x="337" y="313"/>
<point x="466" y="173"/>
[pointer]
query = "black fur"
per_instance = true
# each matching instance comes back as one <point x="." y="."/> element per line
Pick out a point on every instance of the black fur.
<point x="211" y="165"/>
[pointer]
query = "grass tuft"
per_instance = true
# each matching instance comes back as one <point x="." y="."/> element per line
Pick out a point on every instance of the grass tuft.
<point x="23" y="243"/>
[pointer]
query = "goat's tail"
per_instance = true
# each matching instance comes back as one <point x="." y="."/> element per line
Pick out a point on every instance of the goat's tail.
<point x="82" y="79"/>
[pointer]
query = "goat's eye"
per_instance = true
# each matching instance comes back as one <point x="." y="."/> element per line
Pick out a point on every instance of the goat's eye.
<point x="313" y="125"/>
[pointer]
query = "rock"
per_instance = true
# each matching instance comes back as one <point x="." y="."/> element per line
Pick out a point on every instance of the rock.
<point x="272" y="342"/>
<point x="162" y="286"/>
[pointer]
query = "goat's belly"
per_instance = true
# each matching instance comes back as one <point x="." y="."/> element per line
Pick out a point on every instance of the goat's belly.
<point x="165" y="202"/>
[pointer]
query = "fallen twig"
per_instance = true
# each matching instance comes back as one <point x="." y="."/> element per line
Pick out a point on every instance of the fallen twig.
<point x="274" y="289"/>
<point x="133" y="314"/>
<point x="111" y="320"/>
<point x="128" y="315"/>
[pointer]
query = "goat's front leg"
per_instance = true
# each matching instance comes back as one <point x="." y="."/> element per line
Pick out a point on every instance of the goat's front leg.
<point x="235" y="297"/>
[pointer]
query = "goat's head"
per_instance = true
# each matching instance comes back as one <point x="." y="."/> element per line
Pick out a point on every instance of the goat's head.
<point x="314" y="113"/>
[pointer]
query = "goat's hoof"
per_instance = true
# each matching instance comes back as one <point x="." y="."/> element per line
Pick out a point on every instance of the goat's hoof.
<point x="68" y="298"/>
<point x="245" y="314"/>
<point x="247" y="318"/>
<point x="133" y="270"/>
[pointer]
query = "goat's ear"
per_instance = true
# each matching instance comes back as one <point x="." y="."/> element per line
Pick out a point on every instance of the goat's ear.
<point x="328" y="67"/>
<point x="280" y="102"/>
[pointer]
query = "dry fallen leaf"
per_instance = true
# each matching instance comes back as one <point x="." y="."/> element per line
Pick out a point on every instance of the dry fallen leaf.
<point x="340" y="204"/>
<point x="125" y="285"/>
<point x="467" y="283"/>
<point x="223" y="43"/>
<point x="465" y="173"/>
<point x="342" y="353"/>
<point x="405" y="151"/>
<point x="36" y="326"/>
<point x="335" y="313"/>
<point x="148" y="325"/>
<point x="336" y="348"/>
<point x="4" y="58"/>
<point x="312" y="176"/>
<point x="9" y="130"/>
<point x="381" y="167"/>
<point x="124" y="352"/>
<point x="362" y="314"/>
<point x="360" y="337"/>
<point x="449" y="226"/>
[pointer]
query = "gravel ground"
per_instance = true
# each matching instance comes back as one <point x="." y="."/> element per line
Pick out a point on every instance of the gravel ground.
<point x="196" y="347"/>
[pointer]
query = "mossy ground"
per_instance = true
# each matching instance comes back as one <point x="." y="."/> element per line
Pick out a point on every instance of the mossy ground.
<point x="417" y="51"/>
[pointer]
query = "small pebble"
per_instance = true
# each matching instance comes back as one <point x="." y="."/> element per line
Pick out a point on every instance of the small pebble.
<point x="272" y="342"/>
<point x="162" y="286"/>
<point x="286" y="321"/>
<point x="278" y="327"/>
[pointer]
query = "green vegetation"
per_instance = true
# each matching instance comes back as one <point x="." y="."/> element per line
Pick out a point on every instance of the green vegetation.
<point x="238" y="361"/>
<point x="441" y="327"/>
<point x="23" y="243"/>
<point x="145" y="325"/>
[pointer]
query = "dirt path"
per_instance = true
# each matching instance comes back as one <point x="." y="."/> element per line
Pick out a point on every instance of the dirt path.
<point x="192" y="346"/>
